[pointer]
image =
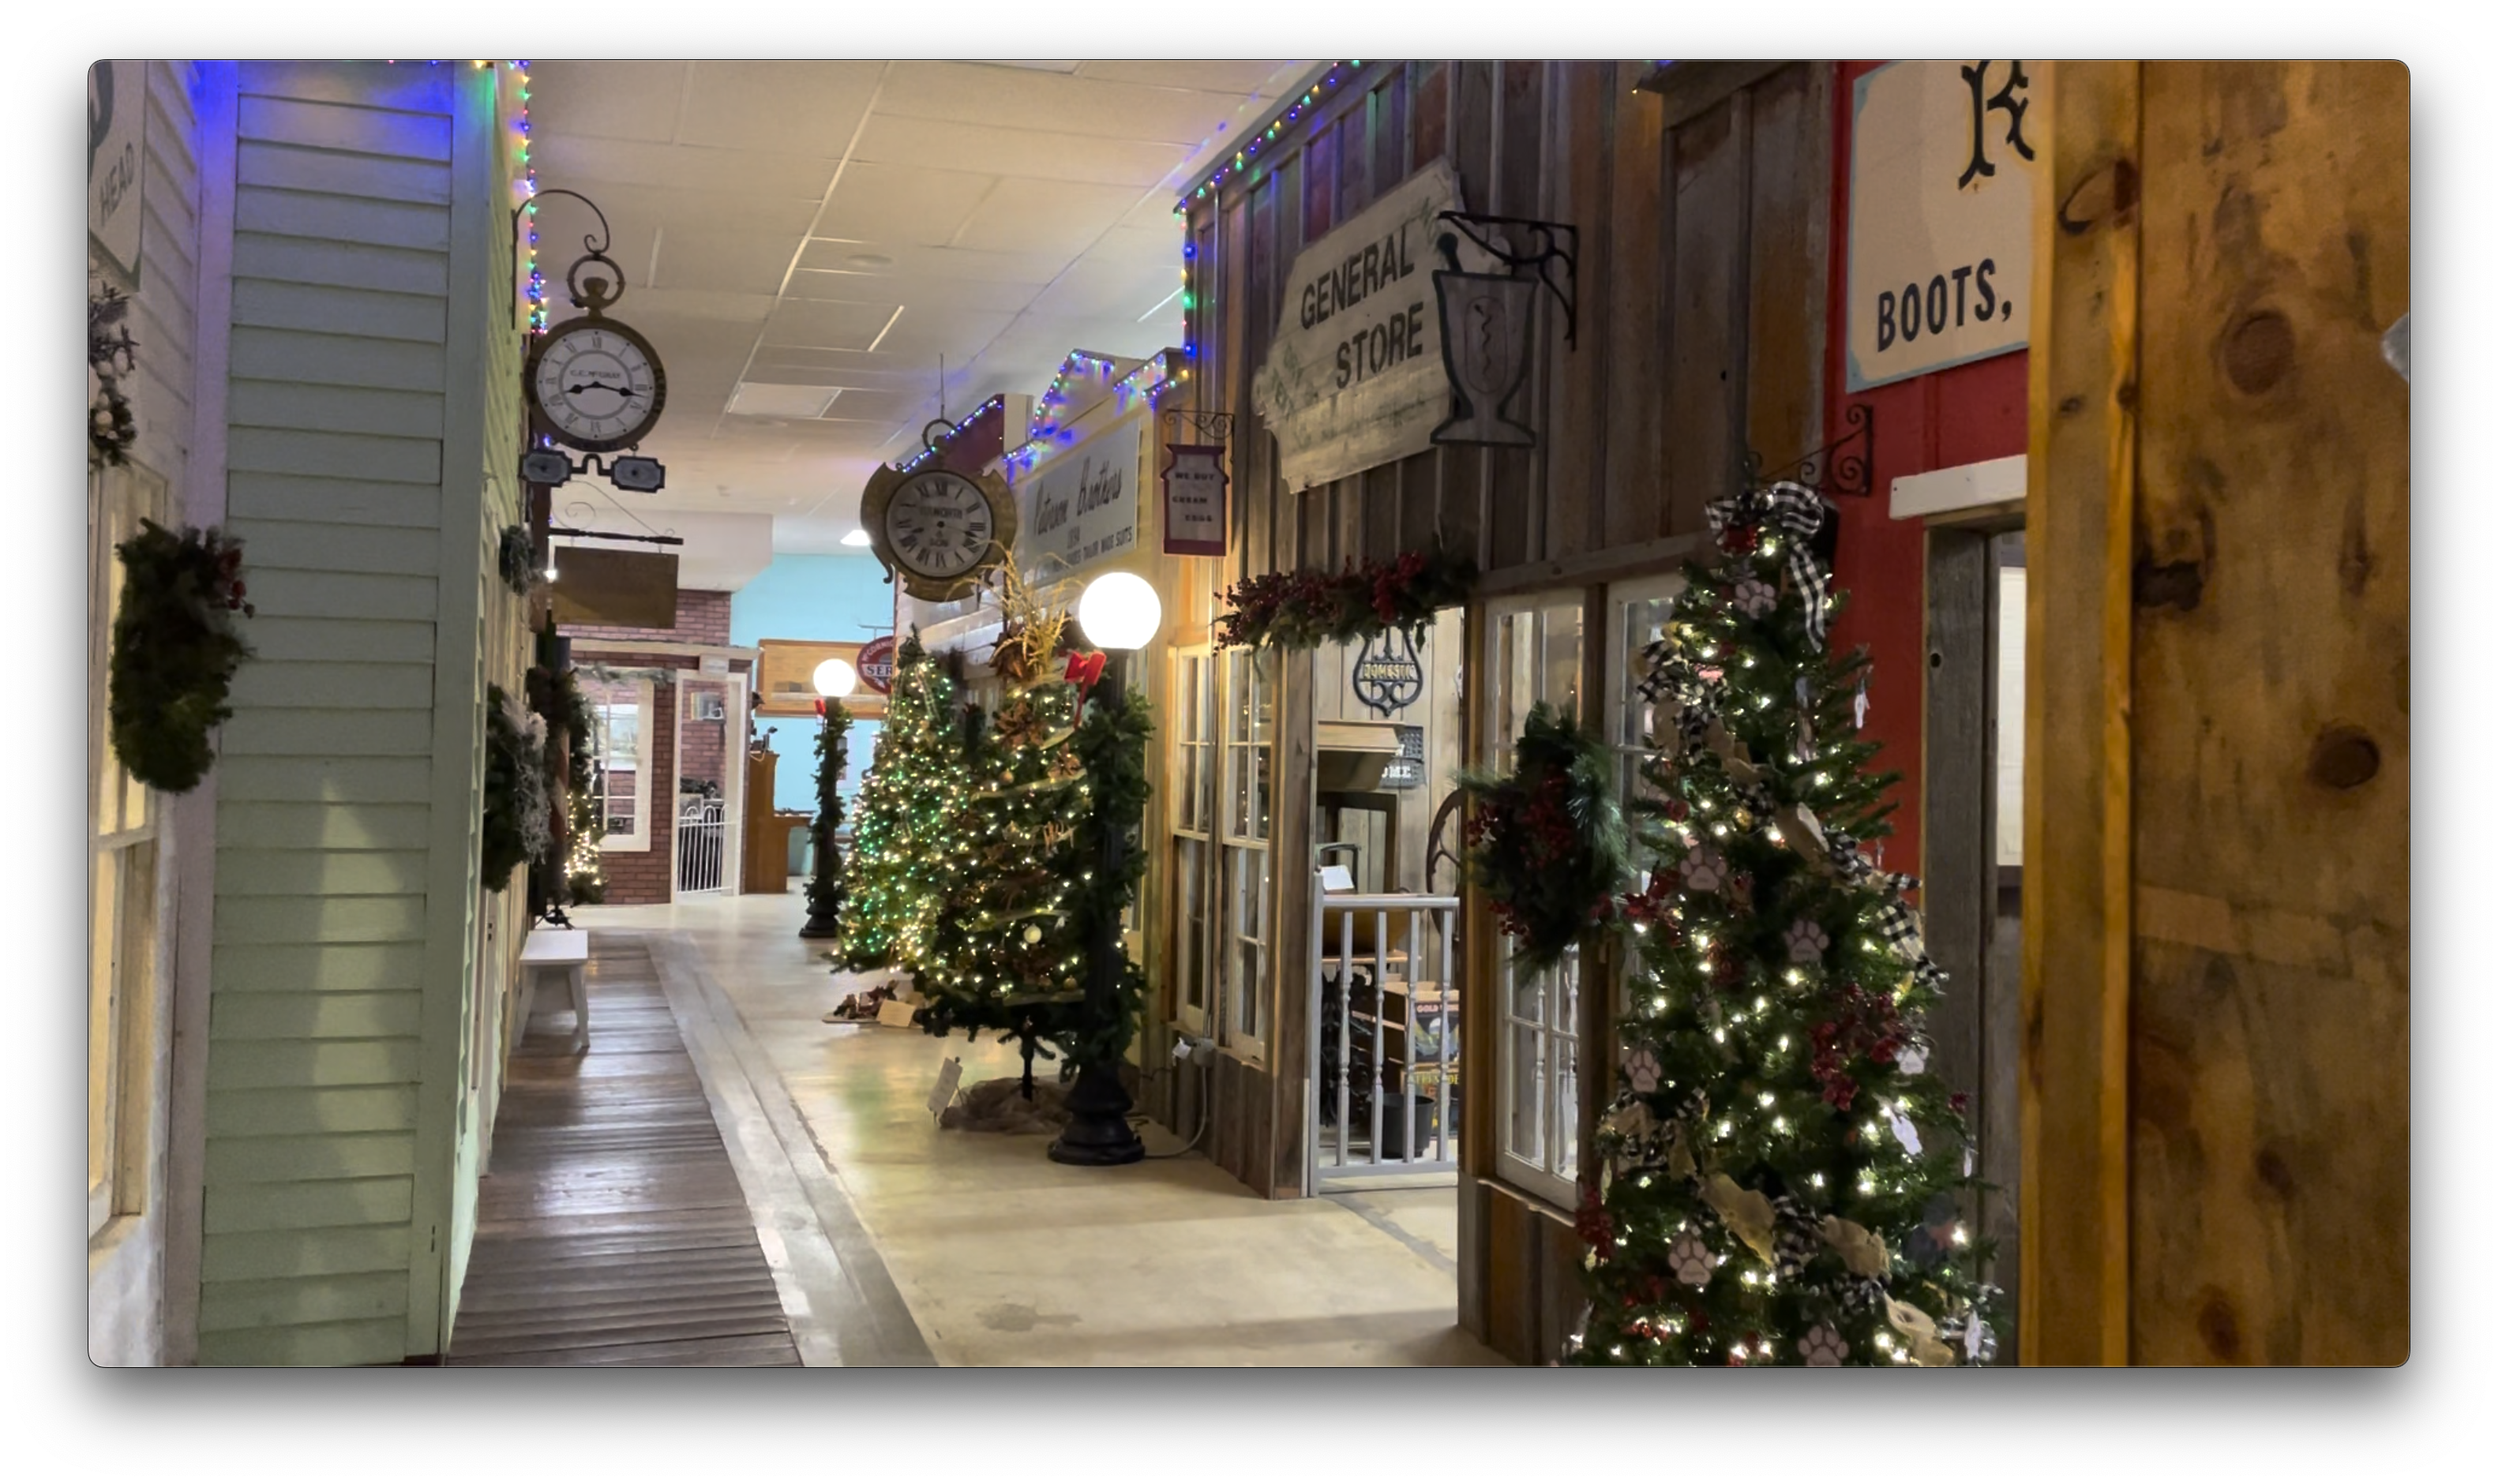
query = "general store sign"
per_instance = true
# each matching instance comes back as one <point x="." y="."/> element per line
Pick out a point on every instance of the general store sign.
<point x="116" y="114"/>
<point x="1943" y="164"/>
<point x="1354" y="378"/>
<point x="1081" y="506"/>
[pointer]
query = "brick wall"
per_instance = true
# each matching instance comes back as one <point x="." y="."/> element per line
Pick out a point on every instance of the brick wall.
<point x="705" y="743"/>
<point x="702" y="617"/>
<point x="640" y="878"/>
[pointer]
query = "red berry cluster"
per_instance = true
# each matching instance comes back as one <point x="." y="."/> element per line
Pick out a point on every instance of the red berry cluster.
<point x="1867" y="1026"/>
<point x="230" y="579"/>
<point x="1596" y="1227"/>
<point x="1389" y="582"/>
<point x="1740" y="540"/>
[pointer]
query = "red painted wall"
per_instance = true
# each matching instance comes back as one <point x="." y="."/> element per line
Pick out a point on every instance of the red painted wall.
<point x="1957" y="416"/>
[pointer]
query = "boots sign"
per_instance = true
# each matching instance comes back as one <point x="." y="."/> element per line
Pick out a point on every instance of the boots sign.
<point x="1355" y="379"/>
<point x="1942" y="160"/>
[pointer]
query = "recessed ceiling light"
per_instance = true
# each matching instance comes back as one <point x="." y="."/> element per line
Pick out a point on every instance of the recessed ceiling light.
<point x="856" y="538"/>
<point x="868" y="260"/>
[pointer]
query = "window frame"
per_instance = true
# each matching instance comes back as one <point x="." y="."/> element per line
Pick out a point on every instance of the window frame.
<point x="124" y="818"/>
<point x="644" y="693"/>
<point x="1193" y="748"/>
<point x="1246" y="1028"/>
<point x="1551" y="1171"/>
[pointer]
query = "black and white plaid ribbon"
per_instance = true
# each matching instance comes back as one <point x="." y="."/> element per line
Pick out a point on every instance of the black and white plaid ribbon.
<point x="1795" y="510"/>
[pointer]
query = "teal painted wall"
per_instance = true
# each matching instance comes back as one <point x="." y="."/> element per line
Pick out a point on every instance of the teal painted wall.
<point x="812" y="597"/>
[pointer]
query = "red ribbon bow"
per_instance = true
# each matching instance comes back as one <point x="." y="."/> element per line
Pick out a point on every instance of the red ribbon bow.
<point x="1084" y="671"/>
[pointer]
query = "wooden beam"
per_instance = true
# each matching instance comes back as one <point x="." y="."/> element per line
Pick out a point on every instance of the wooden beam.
<point x="1692" y="89"/>
<point x="2076" y="840"/>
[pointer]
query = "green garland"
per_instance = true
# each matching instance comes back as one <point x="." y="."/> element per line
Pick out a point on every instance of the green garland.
<point x="825" y="890"/>
<point x="1303" y="610"/>
<point x="515" y="828"/>
<point x="111" y="426"/>
<point x="1546" y="843"/>
<point x="1111" y="743"/>
<point x="174" y="651"/>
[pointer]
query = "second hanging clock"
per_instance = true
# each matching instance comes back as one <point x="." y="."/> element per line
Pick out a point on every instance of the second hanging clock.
<point x="939" y="530"/>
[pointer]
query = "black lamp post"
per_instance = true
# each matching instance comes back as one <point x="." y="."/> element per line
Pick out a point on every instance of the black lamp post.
<point x="1119" y="613"/>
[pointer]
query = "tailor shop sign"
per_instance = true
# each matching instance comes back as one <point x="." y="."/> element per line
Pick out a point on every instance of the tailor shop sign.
<point x="1943" y="164"/>
<point x="1354" y="378"/>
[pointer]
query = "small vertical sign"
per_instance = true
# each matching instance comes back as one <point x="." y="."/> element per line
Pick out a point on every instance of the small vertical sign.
<point x="116" y="114"/>
<point x="1194" y="488"/>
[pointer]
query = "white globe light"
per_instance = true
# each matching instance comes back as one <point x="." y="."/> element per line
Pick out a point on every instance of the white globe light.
<point x="1119" y="610"/>
<point x="836" y="677"/>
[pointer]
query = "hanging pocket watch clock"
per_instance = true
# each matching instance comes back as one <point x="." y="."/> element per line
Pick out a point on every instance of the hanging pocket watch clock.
<point x="596" y="383"/>
<point x="941" y="531"/>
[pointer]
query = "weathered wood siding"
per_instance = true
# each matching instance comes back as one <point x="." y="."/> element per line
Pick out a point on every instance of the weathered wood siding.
<point x="1702" y="211"/>
<point x="2217" y="1138"/>
<point x="359" y="394"/>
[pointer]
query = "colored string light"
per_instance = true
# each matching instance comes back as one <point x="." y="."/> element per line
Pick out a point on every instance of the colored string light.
<point x="1213" y="183"/>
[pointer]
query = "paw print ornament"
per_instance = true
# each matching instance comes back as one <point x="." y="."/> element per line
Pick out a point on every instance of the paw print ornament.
<point x="1691" y="1260"/>
<point x="1823" y="1346"/>
<point x="1805" y="941"/>
<point x="1756" y="598"/>
<point x="1705" y="870"/>
<point x="1640" y="1069"/>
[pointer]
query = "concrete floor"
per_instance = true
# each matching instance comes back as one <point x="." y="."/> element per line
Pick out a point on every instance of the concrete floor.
<point x="1001" y="1257"/>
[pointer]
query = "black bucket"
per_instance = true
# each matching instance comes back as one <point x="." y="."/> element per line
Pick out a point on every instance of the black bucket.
<point x="1391" y="1124"/>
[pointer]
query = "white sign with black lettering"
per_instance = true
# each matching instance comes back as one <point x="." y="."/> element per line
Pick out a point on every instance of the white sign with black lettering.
<point x="1942" y="167"/>
<point x="117" y="142"/>
<point x="1081" y="506"/>
<point x="1354" y="378"/>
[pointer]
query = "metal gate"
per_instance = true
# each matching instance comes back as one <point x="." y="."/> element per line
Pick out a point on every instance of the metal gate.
<point x="702" y="844"/>
<point x="1384" y="1035"/>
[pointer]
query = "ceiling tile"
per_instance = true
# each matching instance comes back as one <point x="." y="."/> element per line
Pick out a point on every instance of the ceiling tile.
<point x="765" y="400"/>
<point x="731" y="261"/>
<point x="605" y="100"/>
<point x="1271" y="80"/>
<point x="1010" y="266"/>
<point x="960" y="92"/>
<point x="633" y="209"/>
<point x="811" y="107"/>
<point x="835" y="326"/>
<point x="1038" y="154"/>
<point x="1046" y="216"/>
<point x="903" y="204"/>
<point x="910" y="289"/>
<point x="629" y="162"/>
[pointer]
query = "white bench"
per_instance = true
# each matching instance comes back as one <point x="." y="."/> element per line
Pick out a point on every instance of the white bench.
<point x="554" y="950"/>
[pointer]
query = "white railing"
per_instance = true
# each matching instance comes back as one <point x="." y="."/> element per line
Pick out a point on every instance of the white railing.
<point x="702" y="844"/>
<point x="1384" y="1006"/>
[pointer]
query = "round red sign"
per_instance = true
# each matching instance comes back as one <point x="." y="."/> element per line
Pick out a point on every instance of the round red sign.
<point x="876" y="665"/>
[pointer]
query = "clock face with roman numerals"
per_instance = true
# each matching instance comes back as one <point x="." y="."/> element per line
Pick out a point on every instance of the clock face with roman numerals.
<point x="598" y="382"/>
<point x="940" y="524"/>
<point x="938" y="528"/>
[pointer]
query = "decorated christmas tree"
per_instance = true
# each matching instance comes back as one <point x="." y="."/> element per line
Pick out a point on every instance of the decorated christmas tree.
<point x="1779" y="1167"/>
<point x="903" y="847"/>
<point x="1012" y="961"/>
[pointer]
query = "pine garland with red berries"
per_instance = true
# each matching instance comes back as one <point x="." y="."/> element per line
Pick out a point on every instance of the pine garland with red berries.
<point x="1305" y="608"/>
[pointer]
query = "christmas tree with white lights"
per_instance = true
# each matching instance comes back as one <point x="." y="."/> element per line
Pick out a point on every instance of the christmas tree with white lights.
<point x="1779" y="1168"/>
<point x="903" y="845"/>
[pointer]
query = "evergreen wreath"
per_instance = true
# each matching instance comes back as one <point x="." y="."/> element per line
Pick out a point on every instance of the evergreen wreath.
<point x="516" y="826"/>
<point x="1546" y="843"/>
<point x="1305" y="608"/>
<point x="519" y="561"/>
<point x="111" y="355"/>
<point x="174" y="650"/>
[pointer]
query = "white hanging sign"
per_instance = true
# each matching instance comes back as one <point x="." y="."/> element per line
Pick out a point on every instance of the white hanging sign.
<point x="116" y="144"/>
<point x="1081" y="506"/>
<point x="1193" y="491"/>
<point x="1942" y="164"/>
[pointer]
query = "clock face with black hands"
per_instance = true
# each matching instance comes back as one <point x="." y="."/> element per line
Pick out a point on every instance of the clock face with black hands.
<point x="598" y="382"/>
<point x="939" y="529"/>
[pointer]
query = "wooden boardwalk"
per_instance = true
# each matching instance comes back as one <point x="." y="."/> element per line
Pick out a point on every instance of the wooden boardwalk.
<point x="612" y="1230"/>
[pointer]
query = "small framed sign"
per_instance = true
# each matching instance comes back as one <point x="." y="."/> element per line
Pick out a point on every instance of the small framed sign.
<point x="876" y="665"/>
<point x="1194" y="490"/>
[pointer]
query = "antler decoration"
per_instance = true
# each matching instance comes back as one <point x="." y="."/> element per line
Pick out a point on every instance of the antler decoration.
<point x="1031" y="633"/>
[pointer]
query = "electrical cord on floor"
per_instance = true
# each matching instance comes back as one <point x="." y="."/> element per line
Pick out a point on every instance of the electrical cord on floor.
<point x="1205" y="1114"/>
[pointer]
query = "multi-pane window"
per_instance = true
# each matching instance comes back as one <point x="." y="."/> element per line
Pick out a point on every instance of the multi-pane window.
<point x="620" y="761"/>
<point x="121" y="881"/>
<point x="1192" y="829"/>
<point x="1246" y="826"/>
<point x="1535" y="648"/>
<point x="1641" y="609"/>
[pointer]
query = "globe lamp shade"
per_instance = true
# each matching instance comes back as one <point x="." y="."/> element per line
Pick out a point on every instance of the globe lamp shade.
<point x="836" y="677"/>
<point x="1119" y="610"/>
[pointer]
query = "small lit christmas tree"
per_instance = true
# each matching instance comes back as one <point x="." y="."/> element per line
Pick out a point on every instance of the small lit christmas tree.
<point x="1779" y="1167"/>
<point x="903" y="847"/>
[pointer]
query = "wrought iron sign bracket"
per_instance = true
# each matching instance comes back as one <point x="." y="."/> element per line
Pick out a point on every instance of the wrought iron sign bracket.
<point x="1212" y="426"/>
<point x="1548" y="243"/>
<point x="594" y="246"/>
<point x="1834" y="468"/>
<point x="551" y="467"/>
